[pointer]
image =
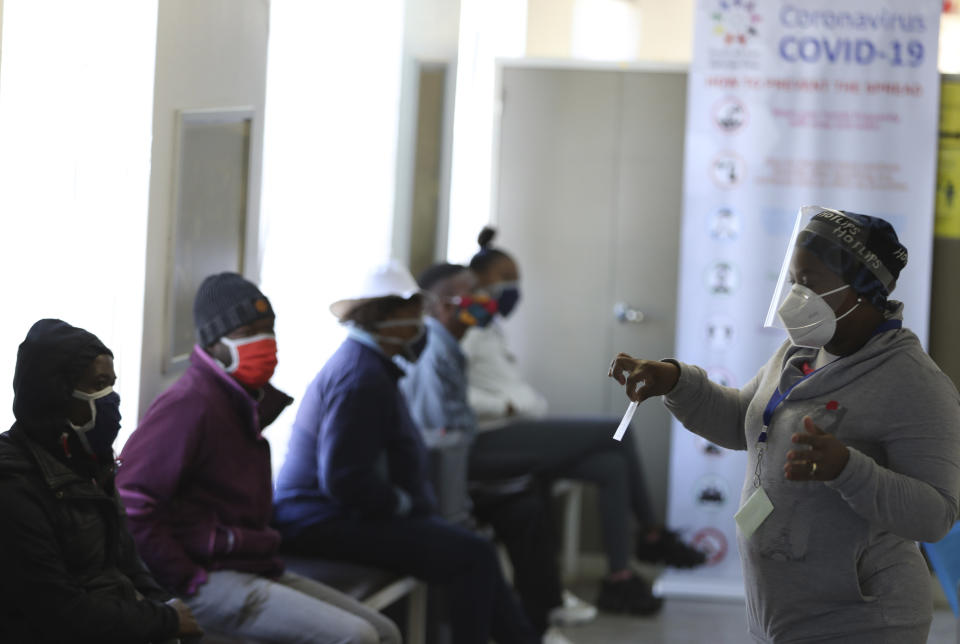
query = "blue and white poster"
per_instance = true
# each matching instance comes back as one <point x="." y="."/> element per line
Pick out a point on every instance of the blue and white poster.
<point x="790" y="103"/>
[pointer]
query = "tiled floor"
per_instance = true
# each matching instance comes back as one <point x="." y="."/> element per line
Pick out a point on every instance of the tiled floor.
<point x="684" y="621"/>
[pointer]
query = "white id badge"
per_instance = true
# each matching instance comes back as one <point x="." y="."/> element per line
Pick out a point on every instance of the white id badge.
<point x="757" y="508"/>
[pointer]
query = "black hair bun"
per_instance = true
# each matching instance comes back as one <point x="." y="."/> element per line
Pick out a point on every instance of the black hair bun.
<point x="486" y="236"/>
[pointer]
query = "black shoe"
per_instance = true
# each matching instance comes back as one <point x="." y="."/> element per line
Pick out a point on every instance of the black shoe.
<point x="669" y="549"/>
<point x="631" y="595"/>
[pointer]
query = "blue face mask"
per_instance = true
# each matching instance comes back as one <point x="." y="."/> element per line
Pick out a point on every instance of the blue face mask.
<point x="507" y="294"/>
<point x="98" y="433"/>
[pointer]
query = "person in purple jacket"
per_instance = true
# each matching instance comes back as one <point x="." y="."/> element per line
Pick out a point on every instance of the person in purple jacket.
<point x="196" y="483"/>
<point x="354" y="484"/>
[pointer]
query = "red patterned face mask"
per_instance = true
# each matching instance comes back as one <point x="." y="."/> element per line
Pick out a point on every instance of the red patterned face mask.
<point x="252" y="360"/>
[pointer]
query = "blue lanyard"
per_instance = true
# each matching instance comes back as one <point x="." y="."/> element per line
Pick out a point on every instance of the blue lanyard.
<point x="778" y="397"/>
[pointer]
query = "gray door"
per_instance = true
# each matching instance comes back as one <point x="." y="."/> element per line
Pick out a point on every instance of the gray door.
<point x="589" y="202"/>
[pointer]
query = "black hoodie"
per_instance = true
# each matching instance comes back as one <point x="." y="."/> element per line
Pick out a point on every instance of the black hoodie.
<point x="70" y="571"/>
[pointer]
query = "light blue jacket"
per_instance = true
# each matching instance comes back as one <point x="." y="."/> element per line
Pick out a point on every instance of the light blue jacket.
<point x="436" y="385"/>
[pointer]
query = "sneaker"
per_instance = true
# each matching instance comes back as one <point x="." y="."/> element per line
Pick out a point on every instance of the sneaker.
<point x="631" y="595"/>
<point x="553" y="636"/>
<point x="669" y="549"/>
<point x="574" y="611"/>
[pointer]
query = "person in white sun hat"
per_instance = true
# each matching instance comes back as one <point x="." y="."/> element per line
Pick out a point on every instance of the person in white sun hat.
<point x="354" y="485"/>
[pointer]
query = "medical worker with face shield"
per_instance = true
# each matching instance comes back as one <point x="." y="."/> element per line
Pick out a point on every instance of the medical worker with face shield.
<point x="853" y="437"/>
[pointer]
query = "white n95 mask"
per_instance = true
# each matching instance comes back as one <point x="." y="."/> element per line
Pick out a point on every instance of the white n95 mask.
<point x="808" y="319"/>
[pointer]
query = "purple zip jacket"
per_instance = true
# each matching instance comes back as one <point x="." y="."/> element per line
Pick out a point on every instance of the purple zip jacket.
<point x="195" y="479"/>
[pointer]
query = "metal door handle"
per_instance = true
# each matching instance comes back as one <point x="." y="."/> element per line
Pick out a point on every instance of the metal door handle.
<point x="626" y="314"/>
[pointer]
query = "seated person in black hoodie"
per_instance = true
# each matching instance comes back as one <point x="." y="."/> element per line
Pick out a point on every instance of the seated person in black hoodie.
<point x="71" y="572"/>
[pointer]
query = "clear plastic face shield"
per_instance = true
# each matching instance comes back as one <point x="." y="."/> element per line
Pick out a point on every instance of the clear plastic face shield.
<point x="823" y="239"/>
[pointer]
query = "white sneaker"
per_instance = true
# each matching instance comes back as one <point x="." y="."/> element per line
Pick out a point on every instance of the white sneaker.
<point x="573" y="611"/>
<point x="553" y="636"/>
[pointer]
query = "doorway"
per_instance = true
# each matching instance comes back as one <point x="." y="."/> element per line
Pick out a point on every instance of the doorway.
<point x="588" y="198"/>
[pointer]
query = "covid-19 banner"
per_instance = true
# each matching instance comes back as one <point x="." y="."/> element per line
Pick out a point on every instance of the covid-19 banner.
<point x="790" y="102"/>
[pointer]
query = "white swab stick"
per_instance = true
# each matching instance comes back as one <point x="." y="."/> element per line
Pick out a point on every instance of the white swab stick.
<point x="627" y="417"/>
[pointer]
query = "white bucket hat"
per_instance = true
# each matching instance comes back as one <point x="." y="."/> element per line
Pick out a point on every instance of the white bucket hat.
<point x="385" y="280"/>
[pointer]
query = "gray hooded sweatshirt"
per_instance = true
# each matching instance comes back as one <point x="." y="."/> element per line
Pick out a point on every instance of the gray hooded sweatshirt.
<point x="837" y="561"/>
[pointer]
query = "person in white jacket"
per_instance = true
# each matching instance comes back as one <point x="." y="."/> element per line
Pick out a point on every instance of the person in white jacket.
<point x="498" y="391"/>
<point x="517" y="437"/>
<point x="853" y="437"/>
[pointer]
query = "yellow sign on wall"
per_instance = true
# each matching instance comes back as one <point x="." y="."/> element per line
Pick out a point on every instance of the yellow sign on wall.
<point x="947" y="223"/>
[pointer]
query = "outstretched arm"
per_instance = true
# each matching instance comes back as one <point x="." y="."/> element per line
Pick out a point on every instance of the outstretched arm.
<point x="704" y="407"/>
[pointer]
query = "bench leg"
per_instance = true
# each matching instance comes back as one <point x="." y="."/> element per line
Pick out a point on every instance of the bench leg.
<point x="417" y="615"/>
<point x="571" y="531"/>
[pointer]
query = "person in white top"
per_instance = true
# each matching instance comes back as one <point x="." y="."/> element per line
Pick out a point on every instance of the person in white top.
<point x="497" y="390"/>
<point x="516" y="437"/>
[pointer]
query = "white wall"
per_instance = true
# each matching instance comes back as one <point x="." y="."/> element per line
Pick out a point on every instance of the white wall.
<point x="431" y="29"/>
<point x="75" y="110"/>
<point x="1" y="33"/>
<point x="489" y="30"/>
<point x="665" y="29"/>
<point x="949" y="55"/>
<point x="330" y="150"/>
<point x="210" y="54"/>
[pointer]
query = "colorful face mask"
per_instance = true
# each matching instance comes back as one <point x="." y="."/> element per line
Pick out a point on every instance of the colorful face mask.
<point x="808" y="319"/>
<point x="475" y="310"/>
<point x="252" y="360"/>
<point x="507" y="294"/>
<point x="98" y="433"/>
